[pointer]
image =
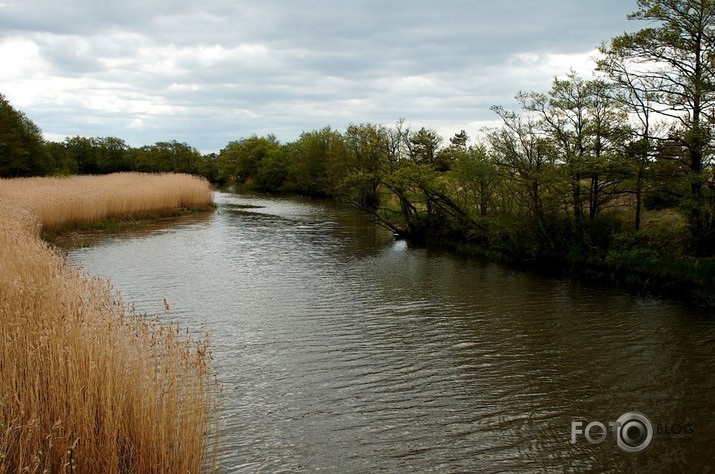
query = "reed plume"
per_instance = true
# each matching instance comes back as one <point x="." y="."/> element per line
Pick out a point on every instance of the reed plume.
<point x="76" y="199"/>
<point x="86" y="386"/>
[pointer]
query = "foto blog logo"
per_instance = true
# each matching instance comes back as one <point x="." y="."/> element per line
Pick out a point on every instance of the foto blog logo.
<point x="633" y="432"/>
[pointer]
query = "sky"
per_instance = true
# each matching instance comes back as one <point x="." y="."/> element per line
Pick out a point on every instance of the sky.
<point x="212" y="71"/>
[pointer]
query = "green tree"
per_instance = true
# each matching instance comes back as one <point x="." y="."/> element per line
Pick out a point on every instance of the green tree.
<point x="447" y="156"/>
<point x="424" y="147"/>
<point x="459" y="141"/>
<point x="208" y="167"/>
<point x="369" y="148"/>
<point x="273" y="170"/>
<point x="61" y="163"/>
<point x="639" y="102"/>
<point x="240" y="160"/>
<point x="588" y="128"/>
<point x="476" y="176"/>
<point x="673" y="59"/>
<point x="22" y="151"/>
<point x="173" y="156"/>
<point x="533" y="181"/>
<point x="318" y="162"/>
<point x="83" y="153"/>
<point x="111" y="153"/>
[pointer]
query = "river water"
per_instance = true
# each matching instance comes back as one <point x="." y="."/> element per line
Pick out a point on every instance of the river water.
<point x="343" y="350"/>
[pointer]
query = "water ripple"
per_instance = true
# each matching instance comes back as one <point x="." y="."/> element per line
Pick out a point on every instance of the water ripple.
<point x="345" y="351"/>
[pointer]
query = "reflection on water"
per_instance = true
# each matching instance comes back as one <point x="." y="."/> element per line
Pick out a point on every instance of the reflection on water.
<point x="344" y="350"/>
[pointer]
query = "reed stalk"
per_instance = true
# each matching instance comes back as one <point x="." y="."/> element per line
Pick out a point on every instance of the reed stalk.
<point x="77" y="199"/>
<point x="86" y="386"/>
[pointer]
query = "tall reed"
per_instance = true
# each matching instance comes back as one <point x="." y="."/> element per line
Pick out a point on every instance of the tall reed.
<point x="58" y="201"/>
<point x="85" y="386"/>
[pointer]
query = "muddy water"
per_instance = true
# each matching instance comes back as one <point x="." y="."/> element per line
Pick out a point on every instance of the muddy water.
<point x="344" y="350"/>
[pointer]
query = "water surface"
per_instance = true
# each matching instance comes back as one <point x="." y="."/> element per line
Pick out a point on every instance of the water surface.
<point x="344" y="350"/>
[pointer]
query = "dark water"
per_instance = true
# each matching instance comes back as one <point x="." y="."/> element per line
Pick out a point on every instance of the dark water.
<point x="346" y="351"/>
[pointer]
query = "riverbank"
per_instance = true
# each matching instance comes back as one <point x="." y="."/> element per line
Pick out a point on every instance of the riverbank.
<point x="644" y="269"/>
<point x="86" y="386"/>
<point x="84" y="233"/>
<point x="653" y="260"/>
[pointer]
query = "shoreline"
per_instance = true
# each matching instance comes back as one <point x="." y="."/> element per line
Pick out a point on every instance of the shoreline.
<point x="80" y="385"/>
<point x="672" y="279"/>
<point x="81" y="233"/>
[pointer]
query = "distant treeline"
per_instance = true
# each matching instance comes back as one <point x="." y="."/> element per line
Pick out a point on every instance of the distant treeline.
<point x="612" y="174"/>
<point x="23" y="153"/>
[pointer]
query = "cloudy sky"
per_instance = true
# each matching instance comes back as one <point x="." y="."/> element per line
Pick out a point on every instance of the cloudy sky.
<point x="211" y="71"/>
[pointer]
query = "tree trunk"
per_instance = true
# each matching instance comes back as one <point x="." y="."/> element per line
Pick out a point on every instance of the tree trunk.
<point x="594" y="204"/>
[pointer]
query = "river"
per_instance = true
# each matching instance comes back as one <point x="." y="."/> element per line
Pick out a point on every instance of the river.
<point x="344" y="350"/>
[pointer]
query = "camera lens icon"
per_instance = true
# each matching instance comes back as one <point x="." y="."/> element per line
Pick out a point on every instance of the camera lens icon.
<point x="634" y="432"/>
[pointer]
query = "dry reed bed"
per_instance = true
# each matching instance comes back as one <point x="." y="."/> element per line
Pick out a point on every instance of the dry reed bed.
<point x="85" y="387"/>
<point x="59" y="201"/>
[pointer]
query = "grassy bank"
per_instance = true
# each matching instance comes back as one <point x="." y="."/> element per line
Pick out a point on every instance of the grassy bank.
<point x="84" y="386"/>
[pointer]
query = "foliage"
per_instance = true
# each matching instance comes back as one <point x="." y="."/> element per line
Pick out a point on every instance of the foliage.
<point x="666" y="69"/>
<point x="318" y="162"/>
<point x="21" y="144"/>
<point x="241" y="160"/>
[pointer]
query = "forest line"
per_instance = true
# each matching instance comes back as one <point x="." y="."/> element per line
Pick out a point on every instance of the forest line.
<point x="612" y="173"/>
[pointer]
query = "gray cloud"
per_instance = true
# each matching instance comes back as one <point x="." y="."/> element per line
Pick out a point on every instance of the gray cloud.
<point x="218" y="70"/>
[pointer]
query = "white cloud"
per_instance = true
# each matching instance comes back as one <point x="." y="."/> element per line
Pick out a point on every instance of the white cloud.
<point x="215" y="71"/>
<point x="23" y="70"/>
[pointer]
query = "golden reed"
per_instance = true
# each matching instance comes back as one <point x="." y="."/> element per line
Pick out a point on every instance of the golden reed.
<point x="84" y="386"/>
<point x="59" y="201"/>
